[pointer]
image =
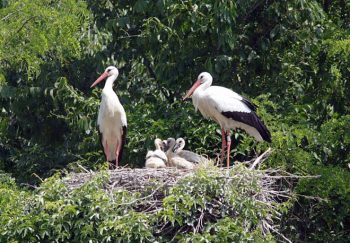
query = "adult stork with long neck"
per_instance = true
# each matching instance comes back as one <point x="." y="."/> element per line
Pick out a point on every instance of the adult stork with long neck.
<point x="111" y="119"/>
<point x="229" y="109"/>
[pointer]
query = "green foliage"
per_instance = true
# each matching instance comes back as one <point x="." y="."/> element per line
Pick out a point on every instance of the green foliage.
<point x="53" y="212"/>
<point x="88" y="213"/>
<point x="226" y="230"/>
<point x="325" y="216"/>
<point x="292" y="57"/>
<point x="196" y="196"/>
<point x="35" y="32"/>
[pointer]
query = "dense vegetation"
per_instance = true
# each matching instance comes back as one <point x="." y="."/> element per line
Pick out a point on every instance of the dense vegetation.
<point x="291" y="57"/>
<point x="202" y="207"/>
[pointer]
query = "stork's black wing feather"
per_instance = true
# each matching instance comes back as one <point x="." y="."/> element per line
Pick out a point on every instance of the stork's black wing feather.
<point x="250" y="119"/>
<point x="248" y="103"/>
<point x="123" y="143"/>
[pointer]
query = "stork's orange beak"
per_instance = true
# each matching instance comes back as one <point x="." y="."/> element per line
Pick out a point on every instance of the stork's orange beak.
<point x="193" y="88"/>
<point x="102" y="77"/>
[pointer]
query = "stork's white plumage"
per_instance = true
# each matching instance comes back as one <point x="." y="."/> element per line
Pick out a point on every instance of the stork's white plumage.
<point x="228" y="109"/>
<point x="111" y="121"/>
<point x="156" y="158"/>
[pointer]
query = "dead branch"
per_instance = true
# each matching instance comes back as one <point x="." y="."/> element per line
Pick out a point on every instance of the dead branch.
<point x="261" y="158"/>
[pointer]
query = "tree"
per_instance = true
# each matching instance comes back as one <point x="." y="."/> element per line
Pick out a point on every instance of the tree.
<point x="291" y="57"/>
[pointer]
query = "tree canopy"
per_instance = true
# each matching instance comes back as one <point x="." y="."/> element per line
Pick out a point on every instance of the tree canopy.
<point x="291" y="58"/>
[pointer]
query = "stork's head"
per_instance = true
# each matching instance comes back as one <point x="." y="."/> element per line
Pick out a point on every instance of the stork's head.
<point x="159" y="144"/>
<point x="204" y="79"/>
<point x="110" y="71"/>
<point x="165" y="145"/>
<point x="180" y="144"/>
<point x="170" y="144"/>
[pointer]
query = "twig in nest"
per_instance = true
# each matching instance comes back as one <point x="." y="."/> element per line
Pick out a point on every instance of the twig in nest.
<point x="177" y="232"/>
<point x="29" y="185"/>
<point x="200" y="222"/>
<point x="260" y="158"/>
<point x="276" y="231"/>
<point x="84" y="169"/>
<point x="25" y="22"/>
<point x="143" y="198"/>
<point x="41" y="180"/>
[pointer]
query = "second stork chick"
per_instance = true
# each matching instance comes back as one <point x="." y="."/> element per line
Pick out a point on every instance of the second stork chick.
<point x="174" y="160"/>
<point x="188" y="155"/>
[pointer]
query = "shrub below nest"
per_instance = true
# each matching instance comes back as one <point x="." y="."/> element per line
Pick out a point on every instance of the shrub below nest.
<point x="208" y="204"/>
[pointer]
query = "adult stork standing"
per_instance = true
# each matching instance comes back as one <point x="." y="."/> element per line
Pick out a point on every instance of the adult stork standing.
<point x="228" y="109"/>
<point x="111" y="119"/>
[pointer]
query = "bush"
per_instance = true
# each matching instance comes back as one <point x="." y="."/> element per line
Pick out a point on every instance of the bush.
<point x="233" y="205"/>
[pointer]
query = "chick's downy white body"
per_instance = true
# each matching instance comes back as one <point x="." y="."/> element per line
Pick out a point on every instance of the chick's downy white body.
<point x="156" y="158"/>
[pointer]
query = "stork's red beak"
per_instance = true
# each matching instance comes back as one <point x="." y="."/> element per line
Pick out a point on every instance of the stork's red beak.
<point x="193" y="88"/>
<point x="102" y="77"/>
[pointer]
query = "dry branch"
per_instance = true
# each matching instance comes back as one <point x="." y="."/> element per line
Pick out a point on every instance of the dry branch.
<point x="131" y="179"/>
<point x="261" y="158"/>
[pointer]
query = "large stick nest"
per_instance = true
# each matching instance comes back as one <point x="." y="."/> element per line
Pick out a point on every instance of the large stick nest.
<point x="269" y="187"/>
<point x="132" y="179"/>
<point x="138" y="179"/>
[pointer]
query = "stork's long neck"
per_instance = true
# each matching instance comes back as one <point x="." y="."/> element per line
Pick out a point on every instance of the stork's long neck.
<point x="197" y="94"/>
<point x="202" y="87"/>
<point x="156" y="143"/>
<point x="109" y="82"/>
<point x="170" y="148"/>
<point x="181" y="147"/>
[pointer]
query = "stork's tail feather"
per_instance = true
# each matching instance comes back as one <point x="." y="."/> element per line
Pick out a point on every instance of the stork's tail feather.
<point x="251" y="119"/>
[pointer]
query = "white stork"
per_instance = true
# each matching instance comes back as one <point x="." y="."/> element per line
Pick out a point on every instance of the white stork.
<point x="111" y="120"/>
<point x="228" y="109"/>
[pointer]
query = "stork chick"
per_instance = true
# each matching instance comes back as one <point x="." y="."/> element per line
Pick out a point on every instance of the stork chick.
<point x="156" y="158"/>
<point x="174" y="160"/>
<point x="188" y="155"/>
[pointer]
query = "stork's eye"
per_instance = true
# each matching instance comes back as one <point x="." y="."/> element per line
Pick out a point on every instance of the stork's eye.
<point x="108" y="70"/>
<point x="201" y="77"/>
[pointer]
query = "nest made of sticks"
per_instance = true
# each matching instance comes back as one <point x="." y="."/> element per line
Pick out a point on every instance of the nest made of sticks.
<point x="271" y="187"/>
<point x="136" y="179"/>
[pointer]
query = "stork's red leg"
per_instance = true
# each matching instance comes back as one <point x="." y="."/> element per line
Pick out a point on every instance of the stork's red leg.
<point x="108" y="155"/>
<point x="223" y="145"/>
<point x="228" y="148"/>
<point x="106" y="150"/>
